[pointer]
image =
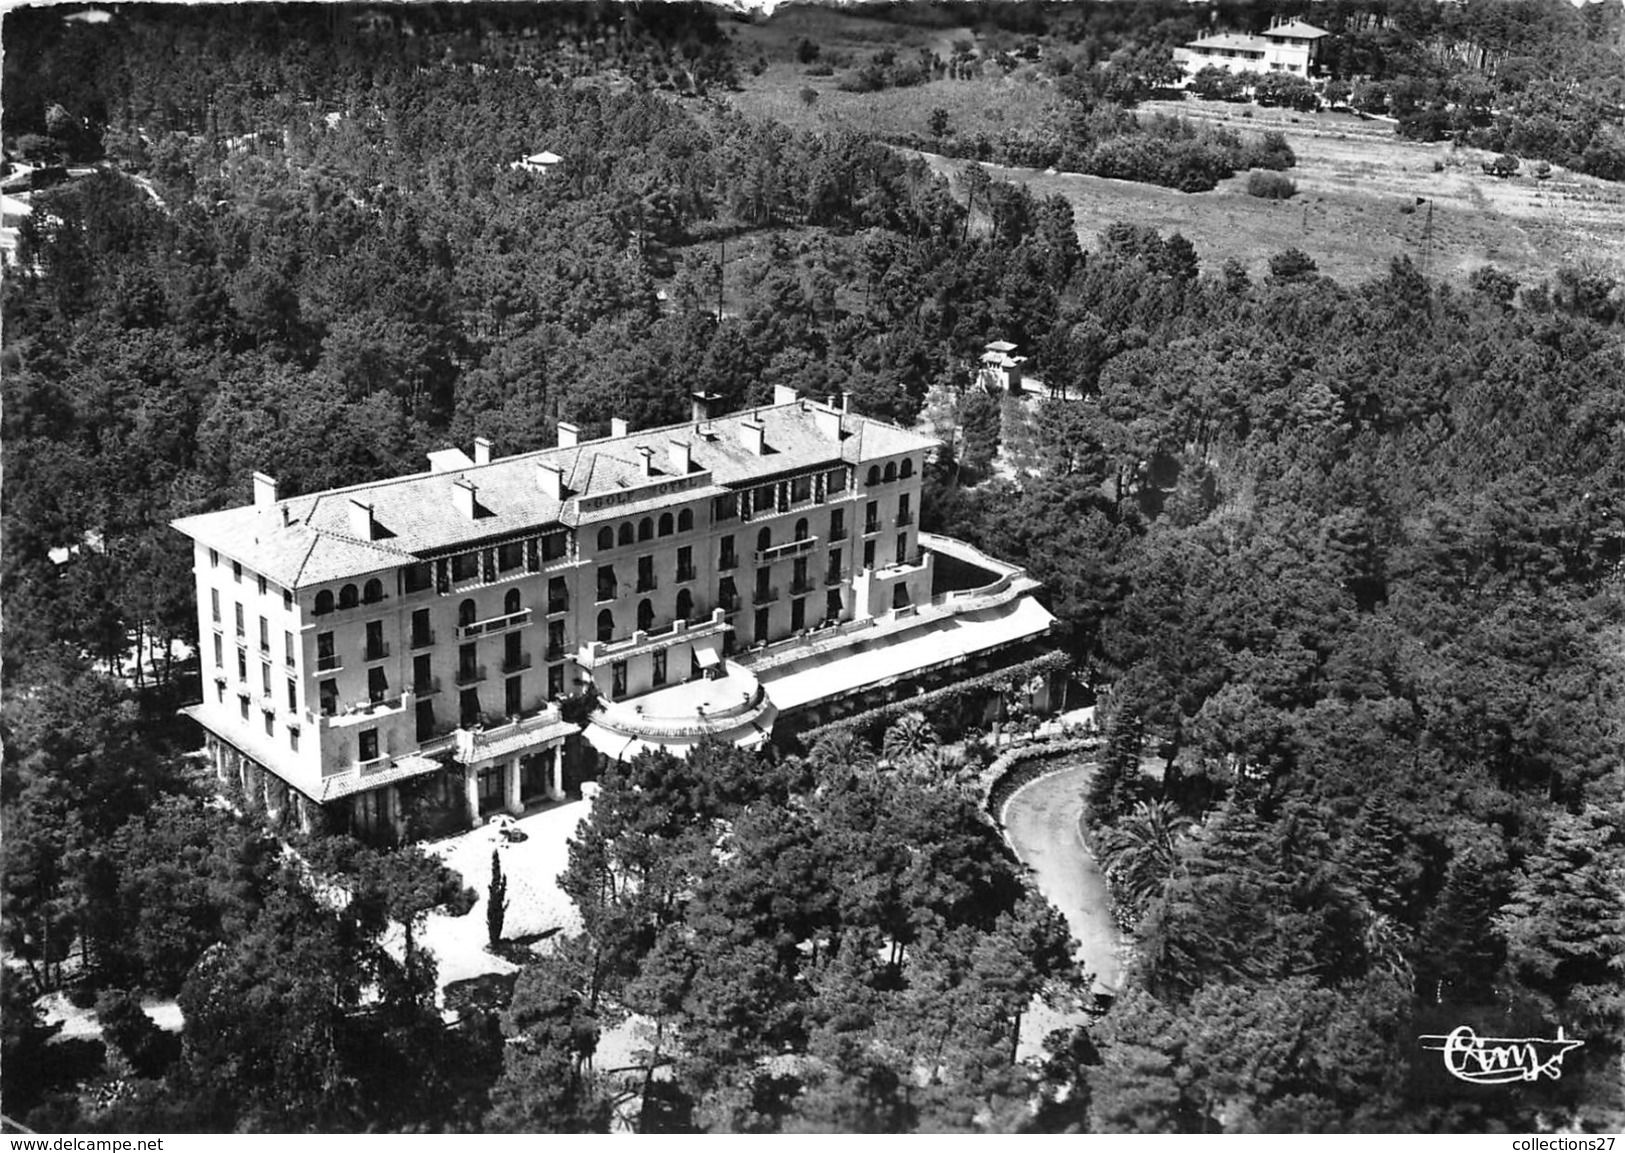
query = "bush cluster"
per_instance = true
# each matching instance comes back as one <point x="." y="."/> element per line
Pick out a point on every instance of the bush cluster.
<point x="1267" y="185"/>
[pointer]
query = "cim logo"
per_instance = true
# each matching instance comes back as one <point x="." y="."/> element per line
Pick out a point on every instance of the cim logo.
<point x="1499" y="1060"/>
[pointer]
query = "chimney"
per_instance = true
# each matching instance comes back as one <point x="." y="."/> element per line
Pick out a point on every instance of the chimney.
<point x="753" y="434"/>
<point x="482" y="450"/>
<point x="784" y="394"/>
<point x="264" y="491"/>
<point x="360" y="520"/>
<point x="829" y="422"/>
<point x="648" y="455"/>
<point x="702" y="406"/>
<point x="618" y="427"/>
<point x="462" y="495"/>
<point x="682" y="457"/>
<point x="569" y="435"/>
<point x="846" y="402"/>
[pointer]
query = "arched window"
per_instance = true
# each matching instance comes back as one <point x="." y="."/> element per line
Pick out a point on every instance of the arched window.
<point x="665" y="524"/>
<point x="606" y="538"/>
<point x="626" y="533"/>
<point x="373" y="592"/>
<point x="801" y="529"/>
<point x="466" y="613"/>
<point x="646" y="529"/>
<point x="510" y="603"/>
<point x="907" y="470"/>
<point x="606" y="626"/>
<point x="347" y="597"/>
<point x="324" y="602"/>
<point x="646" y="615"/>
<point x="891" y="472"/>
<point x="685" y="520"/>
<point x="764" y="540"/>
<point x="874" y="474"/>
<point x="685" y="605"/>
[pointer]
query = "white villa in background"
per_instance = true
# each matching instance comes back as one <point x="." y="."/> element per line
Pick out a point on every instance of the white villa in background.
<point x="405" y="644"/>
<point x="1287" y="46"/>
<point x="537" y="162"/>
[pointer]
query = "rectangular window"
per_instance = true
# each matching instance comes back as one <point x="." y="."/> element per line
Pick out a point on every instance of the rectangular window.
<point x="554" y="546"/>
<point x="287" y="649"/>
<point x="868" y="554"/>
<point x="902" y="548"/>
<point x="510" y="556"/>
<point x="903" y="510"/>
<point x="659" y="677"/>
<point x="467" y="669"/>
<point x="646" y="574"/>
<point x="242" y="630"/>
<point x="422" y="634"/>
<point x="765" y="498"/>
<point x="728" y="559"/>
<point x="555" y="640"/>
<point x="422" y="679"/>
<point x="798" y="614"/>
<point x="617" y="673"/>
<point x="242" y="706"/>
<point x="368" y="740"/>
<point x="871" y="517"/>
<point x="326" y="658"/>
<point x="606" y="583"/>
<point x="219" y="651"/>
<point x="725" y="507"/>
<point x="265" y="636"/>
<point x="763" y="589"/>
<point x="512" y="656"/>
<point x="798" y="576"/>
<point x="237" y="571"/>
<point x="685" y="563"/>
<point x="262" y="585"/>
<point x="242" y="664"/>
<point x="801" y="488"/>
<point x="293" y="739"/>
<point x="293" y="695"/>
<point x="287" y="599"/>
<point x="465" y="566"/>
<point x="265" y="679"/>
<point x="834" y="566"/>
<point x="377" y="685"/>
<point x="468" y="708"/>
<point x="558" y="595"/>
<point x="214" y="558"/>
<point x="419" y="577"/>
<point x="837" y="524"/>
<point x="270" y="724"/>
<point x="377" y="650"/>
<point x="425" y="720"/>
<point x="513" y="693"/>
<point x="761" y="625"/>
<point x="328" y="692"/>
<point x="214" y="604"/>
<point x="835" y="480"/>
<point x="555" y="682"/>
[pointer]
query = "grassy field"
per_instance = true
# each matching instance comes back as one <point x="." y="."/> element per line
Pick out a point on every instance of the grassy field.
<point x="1356" y="209"/>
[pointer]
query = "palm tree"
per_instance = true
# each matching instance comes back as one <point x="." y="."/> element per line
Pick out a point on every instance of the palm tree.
<point x="910" y="739"/>
<point x="1140" y="852"/>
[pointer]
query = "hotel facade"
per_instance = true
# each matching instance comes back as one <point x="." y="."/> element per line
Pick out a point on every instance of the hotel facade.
<point x="394" y="655"/>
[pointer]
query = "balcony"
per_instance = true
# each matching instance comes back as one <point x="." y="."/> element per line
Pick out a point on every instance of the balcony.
<point x="904" y="518"/>
<point x="647" y="584"/>
<point x="594" y="654"/>
<point x="555" y="651"/>
<point x="426" y="687"/>
<point x="686" y="574"/>
<point x="838" y="532"/>
<point x="339" y="714"/>
<point x="494" y="624"/>
<point x="607" y="593"/>
<point x="870" y="527"/>
<point x="328" y="664"/>
<point x="558" y="604"/>
<point x="728" y="561"/>
<point x="789" y="548"/>
<point x="803" y="586"/>
<point x="516" y="664"/>
<point x="766" y="595"/>
<point x="423" y="639"/>
<point x="377" y="651"/>
<point x="728" y="604"/>
<point x="470" y="674"/>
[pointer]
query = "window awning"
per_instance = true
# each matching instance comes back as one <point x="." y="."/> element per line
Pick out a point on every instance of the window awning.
<point x="709" y="658"/>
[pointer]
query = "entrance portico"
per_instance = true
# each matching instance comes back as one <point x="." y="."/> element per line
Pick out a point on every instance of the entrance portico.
<point x="510" y="766"/>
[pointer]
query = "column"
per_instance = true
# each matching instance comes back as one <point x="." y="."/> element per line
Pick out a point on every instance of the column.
<point x="555" y="766"/>
<point x="471" y="794"/>
<point x="274" y="797"/>
<point x="510" y="781"/>
<point x="219" y="752"/>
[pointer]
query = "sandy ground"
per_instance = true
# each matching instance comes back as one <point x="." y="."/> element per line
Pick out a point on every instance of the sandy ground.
<point x="1042" y="820"/>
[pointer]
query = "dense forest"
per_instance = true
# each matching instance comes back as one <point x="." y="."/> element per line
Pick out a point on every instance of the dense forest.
<point x="1342" y="563"/>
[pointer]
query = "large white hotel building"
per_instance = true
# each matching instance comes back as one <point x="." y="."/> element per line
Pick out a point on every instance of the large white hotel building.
<point x="399" y="649"/>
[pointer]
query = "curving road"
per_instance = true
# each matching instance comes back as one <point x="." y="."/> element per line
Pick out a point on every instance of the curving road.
<point x="1043" y="821"/>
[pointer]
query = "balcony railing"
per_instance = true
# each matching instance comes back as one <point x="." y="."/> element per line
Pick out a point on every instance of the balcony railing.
<point x="729" y="561"/>
<point x="686" y="574"/>
<point x="789" y="548"/>
<point x="555" y="650"/>
<point x="377" y="651"/>
<point x="426" y="687"/>
<point x="328" y="663"/>
<point x="728" y="604"/>
<point x="423" y="639"/>
<point x="516" y="664"/>
<point x="838" y="531"/>
<point x="905" y="518"/>
<point x="647" y="584"/>
<point x="494" y="624"/>
<point x="766" y="595"/>
<point x="606" y="593"/>
<point x="470" y="674"/>
<point x="870" y="526"/>
<point x="805" y="585"/>
<point x="558" y="604"/>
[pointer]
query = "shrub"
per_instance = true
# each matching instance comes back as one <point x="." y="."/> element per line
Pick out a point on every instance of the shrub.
<point x="1268" y="185"/>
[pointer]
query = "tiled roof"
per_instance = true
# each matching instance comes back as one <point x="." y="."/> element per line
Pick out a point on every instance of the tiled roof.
<point x="308" y="540"/>
<point x="1298" y="30"/>
<point x="1233" y="42"/>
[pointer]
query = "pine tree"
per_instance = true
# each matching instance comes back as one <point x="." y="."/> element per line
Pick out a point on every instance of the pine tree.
<point x="496" y="906"/>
